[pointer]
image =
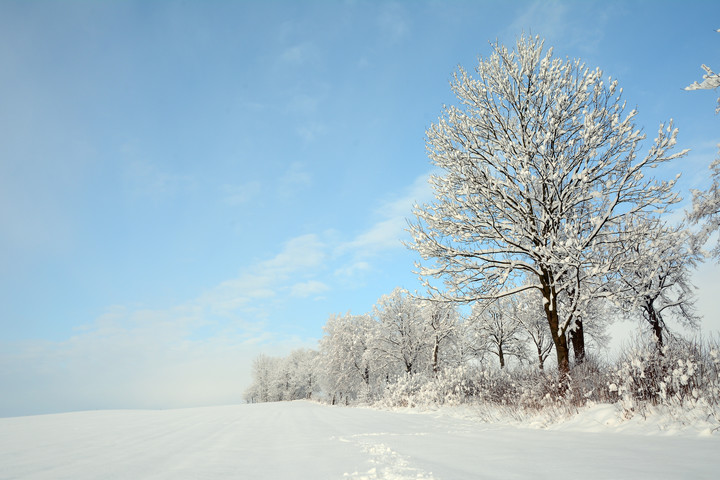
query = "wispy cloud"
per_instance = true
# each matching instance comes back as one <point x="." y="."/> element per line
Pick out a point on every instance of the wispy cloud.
<point x="236" y="195"/>
<point x="309" y="288"/>
<point x="295" y="178"/>
<point x="144" y="178"/>
<point x="393" y="21"/>
<point x="553" y="20"/>
<point x="311" y="131"/>
<point x="390" y="230"/>
<point x="300" y="54"/>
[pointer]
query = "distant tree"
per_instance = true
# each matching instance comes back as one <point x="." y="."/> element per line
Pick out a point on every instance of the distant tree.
<point x="442" y="320"/>
<point x="402" y="336"/>
<point x="265" y="380"/>
<point x="541" y="169"/>
<point x="498" y="329"/>
<point x="346" y="356"/>
<point x="303" y="366"/>
<point x="530" y="315"/>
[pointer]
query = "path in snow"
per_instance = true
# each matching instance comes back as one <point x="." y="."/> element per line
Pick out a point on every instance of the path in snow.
<point x="304" y="440"/>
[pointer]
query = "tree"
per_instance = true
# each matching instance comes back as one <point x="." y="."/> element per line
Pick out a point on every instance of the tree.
<point x="532" y="319"/>
<point x="706" y="204"/>
<point x="346" y="355"/>
<point x="265" y="379"/>
<point x="442" y="320"/>
<point x="540" y="171"/>
<point x="402" y="335"/>
<point x="302" y="365"/>
<point x="656" y="278"/>
<point x="498" y="329"/>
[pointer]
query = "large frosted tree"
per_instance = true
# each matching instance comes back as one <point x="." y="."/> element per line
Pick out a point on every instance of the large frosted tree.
<point x="540" y="169"/>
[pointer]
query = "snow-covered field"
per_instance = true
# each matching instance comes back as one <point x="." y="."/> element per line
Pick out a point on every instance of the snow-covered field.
<point x="305" y="440"/>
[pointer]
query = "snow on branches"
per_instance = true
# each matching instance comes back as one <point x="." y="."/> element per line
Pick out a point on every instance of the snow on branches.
<point x="706" y="204"/>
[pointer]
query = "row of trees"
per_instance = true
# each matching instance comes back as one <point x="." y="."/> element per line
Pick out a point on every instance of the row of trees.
<point x="547" y="222"/>
<point x="361" y="356"/>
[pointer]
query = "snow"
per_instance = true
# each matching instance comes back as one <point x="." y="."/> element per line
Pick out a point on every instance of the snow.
<point x="306" y="440"/>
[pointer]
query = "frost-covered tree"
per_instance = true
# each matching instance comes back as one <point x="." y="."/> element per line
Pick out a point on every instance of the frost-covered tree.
<point x="530" y="315"/>
<point x="706" y="204"/>
<point x="346" y="355"/>
<point x="711" y="81"/>
<point x="442" y="320"/>
<point x="402" y="337"/>
<point x="303" y="366"/>
<point x="264" y="387"/>
<point x="276" y="379"/>
<point x="706" y="208"/>
<point x="540" y="169"/>
<point x="655" y="281"/>
<point x="498" y="329"/>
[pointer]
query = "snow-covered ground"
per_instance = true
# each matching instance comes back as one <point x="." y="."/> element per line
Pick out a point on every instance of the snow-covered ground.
<point x="305" y="440"/>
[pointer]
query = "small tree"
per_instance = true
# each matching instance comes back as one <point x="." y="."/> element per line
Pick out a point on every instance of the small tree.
<point x="541" y="170"/>
<point x="532" y="319"/>
<point x="442" y="320"/>
<point x="498" y="329"/>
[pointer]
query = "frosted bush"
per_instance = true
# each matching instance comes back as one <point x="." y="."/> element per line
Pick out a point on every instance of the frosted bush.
<point x="683" y="377"/>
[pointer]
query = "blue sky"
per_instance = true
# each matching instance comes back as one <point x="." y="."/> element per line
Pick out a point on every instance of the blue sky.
<point x="184" y="185"/>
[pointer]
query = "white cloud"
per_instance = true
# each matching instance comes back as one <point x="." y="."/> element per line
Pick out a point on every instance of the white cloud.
<point x="352" y="270"/>
<point x="300" y="54"/>
<point x="389" y="232"/>
<point x="307" y="289"/>
<point x="147" y="179"/>
<point x="553" y="21"/>
<point x="310" y="131"/>
<point x="393" y="21"/>
<point x="236" y="195"/>
<point x="295" y="178"/>
<point x="303" y="104"/>
<point x="298" y="254"/>
<point x="264" y="281"/>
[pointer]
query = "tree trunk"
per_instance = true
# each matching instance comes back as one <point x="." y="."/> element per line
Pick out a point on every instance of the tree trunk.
<point x="541" y="360"/>
<point x="550" y="307"/>
<point x="577" y="336"/>
<point x="436" y="348"/>
<point x="501" y="357"/>
<point x="657" y="327"/>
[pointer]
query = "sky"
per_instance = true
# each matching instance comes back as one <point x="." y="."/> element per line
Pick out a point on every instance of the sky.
<point x="185" y="185"/>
